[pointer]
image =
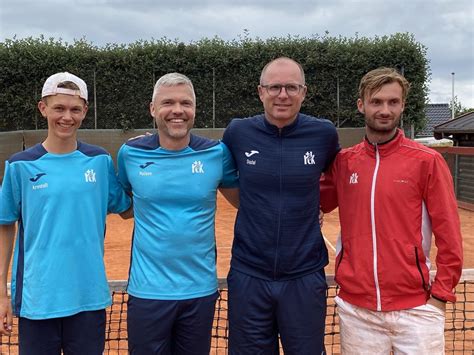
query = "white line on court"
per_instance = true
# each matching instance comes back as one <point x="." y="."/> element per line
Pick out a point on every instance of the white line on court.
<point x="329" y="243"/>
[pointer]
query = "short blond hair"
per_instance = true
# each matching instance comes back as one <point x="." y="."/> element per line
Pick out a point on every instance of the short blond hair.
<point x="173" y="79"/>
<point x="375" y="79"/>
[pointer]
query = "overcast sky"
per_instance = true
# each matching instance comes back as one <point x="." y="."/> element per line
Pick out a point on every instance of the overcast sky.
<point x="445" y="27"/>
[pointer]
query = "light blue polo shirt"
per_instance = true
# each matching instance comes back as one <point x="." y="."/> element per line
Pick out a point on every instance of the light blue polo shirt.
<point x="174" y="196"/>
<point x="60" y="202"/>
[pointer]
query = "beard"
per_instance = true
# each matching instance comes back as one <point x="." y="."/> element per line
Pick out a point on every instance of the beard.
<point x="375" y="126"/>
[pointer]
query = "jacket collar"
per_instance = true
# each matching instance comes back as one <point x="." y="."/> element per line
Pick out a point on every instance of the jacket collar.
<point x="385" y="148"/>
<point x="281" y="131"/>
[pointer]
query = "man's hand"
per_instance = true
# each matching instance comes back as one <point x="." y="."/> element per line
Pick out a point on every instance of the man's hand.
<point x="140" y="136"/>
<point x="321" y="218"/>
<point x="6" y="316"/>
<point x="128" y="213"/>
<point x="7" y="237"/>
<point x="437" y="303"/>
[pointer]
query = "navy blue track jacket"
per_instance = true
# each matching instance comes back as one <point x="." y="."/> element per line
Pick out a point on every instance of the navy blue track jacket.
<point x="277" y="234"/>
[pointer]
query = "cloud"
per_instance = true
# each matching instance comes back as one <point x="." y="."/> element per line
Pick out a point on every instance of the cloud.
<point x="444" y="27"/>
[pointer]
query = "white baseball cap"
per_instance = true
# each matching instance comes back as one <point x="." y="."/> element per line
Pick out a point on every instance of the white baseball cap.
<point x="50" y="86"/>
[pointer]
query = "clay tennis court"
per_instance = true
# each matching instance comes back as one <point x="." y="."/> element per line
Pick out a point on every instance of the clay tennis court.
<point x="117" y="256"/>
<point x="119" y="232"/>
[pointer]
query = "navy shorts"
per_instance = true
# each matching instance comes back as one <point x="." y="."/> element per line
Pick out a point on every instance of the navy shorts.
<point x="170" y="327"/>
<point x="82" y="333"/>
<point x="261" y="310"/>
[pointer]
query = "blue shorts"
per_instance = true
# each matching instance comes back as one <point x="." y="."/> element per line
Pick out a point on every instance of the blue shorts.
<point x="260" y="310"/>
<point x="82" y="333"/>
<point x="170" y="327"/>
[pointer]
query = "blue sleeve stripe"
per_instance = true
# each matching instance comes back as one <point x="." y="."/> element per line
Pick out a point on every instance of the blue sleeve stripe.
<point x="201" y="143"/>
<point x="150" y="142"/>
<point x="91" y="150"/>
<point x="33" y="153"/>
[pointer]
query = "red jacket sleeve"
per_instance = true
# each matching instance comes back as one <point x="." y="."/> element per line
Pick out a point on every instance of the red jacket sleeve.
<point x="328" y="190"/>
<point x="442" y="208"/>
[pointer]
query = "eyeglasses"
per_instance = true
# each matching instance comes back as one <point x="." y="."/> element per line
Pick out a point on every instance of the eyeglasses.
<point x="275" y="89"/>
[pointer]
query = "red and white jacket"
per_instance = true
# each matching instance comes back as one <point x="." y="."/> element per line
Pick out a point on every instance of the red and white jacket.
<point x="391" y="198"/>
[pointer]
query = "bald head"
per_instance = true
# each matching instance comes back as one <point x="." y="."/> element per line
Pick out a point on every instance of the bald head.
<point x="277" y="62"/>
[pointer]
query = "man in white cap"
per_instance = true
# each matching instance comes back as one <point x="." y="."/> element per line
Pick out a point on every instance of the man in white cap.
<point x="59" y="193"/>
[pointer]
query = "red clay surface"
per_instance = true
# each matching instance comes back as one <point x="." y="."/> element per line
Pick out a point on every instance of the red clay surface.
<point x="117" y="257"/>
<point x="118" y="239"/>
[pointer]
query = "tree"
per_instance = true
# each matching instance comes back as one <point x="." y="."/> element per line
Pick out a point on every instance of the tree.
<point x="225" y="75"/>
<point x="459" y="109"/>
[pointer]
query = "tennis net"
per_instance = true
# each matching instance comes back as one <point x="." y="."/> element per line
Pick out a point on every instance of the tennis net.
<point x="459" y="327"/>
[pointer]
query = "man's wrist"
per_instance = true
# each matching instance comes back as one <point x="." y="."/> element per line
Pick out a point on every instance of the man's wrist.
<point x="4" y="292"/>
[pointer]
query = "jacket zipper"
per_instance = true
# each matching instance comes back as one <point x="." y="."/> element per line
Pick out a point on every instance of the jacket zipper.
<point x="374" y="231"/>
<point x="419" y="269"/>
<point x="279" y="207"/>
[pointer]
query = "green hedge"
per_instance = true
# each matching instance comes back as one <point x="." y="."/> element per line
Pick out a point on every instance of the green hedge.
<point x="125" y="74"/>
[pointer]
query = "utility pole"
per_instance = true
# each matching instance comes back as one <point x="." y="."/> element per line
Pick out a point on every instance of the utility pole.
<point x="338" y="103"/>
<point x="213" y="97"/>
<point x="95" y="101"/>
<point x="402" y="71"/>
<point x="452" y="97"/>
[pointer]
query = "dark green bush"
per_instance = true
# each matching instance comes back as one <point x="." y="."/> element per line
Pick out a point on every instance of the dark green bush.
<point x="225" y="70"/>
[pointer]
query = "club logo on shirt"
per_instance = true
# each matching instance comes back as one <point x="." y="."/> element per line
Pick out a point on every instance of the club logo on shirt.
<point x="89" y="175"/>
<point x="353" y="178"/>
<point x="197" y="167"/>
<point x="309" y="158"/>
<point x="37" y="177"/>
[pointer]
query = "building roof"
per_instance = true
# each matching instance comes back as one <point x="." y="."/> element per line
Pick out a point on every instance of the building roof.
<point x="461" y="124"/>
<point x="436" y="114"/>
